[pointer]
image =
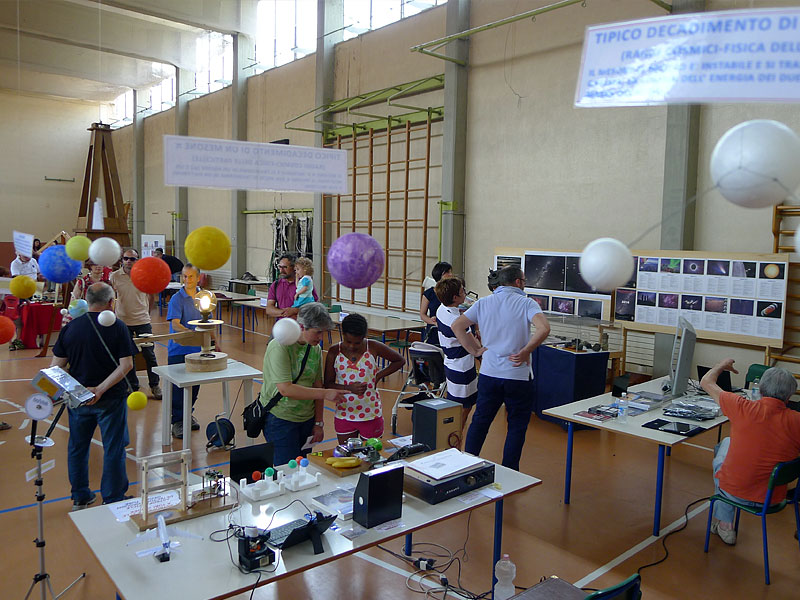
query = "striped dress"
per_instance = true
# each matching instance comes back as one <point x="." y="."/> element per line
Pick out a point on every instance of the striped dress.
<point x="459" y="365"/>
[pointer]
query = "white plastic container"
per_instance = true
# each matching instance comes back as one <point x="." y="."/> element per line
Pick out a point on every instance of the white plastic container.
<point x="622" y="410"/>
<point x="505" y="571"/>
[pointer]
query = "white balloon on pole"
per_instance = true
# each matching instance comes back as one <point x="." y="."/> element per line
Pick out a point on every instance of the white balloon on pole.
<point x="606" y="264"/>
<point x="105" y="251"/>
<point x="286" y="331"/>
<point x="106" y="318"/>
<point x="757" y="163"/>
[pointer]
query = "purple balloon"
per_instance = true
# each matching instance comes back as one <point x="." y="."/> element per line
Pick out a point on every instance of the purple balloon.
<point x="356" y="260"/>
<point x="57" y="267"/>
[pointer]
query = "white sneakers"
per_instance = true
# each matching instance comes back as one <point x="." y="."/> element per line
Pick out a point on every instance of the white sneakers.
<point x="725" y="531"/>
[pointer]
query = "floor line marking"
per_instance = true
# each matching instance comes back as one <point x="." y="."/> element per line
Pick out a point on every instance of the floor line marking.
<point x="24" y="423"/>
<point x="12" y="380"/>
<point x="637" y="548"/>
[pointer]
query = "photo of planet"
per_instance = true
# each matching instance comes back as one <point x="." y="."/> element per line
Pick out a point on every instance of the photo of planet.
<point x="771" y="271"/>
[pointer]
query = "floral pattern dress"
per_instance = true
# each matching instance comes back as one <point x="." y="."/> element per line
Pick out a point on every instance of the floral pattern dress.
<point x="358" y="408"/>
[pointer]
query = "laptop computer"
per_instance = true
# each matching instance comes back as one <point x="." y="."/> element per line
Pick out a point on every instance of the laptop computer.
<point x="723" y="381"/>
<point x="248" y="459"/>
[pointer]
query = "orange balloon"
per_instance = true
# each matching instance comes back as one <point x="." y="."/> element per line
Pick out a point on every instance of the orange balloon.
<point x="150" y="275"/>
<point x="7" y="329"/>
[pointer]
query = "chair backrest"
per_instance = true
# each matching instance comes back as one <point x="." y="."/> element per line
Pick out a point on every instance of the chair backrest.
<point x="427" y="363"/>
<point x="784" y="473"/>
<point x="630" y="589"/>
<point x="755" y="371"/>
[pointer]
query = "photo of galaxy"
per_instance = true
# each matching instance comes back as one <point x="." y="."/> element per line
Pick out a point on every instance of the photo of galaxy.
<point x="773" y="310"/>
<point x="689" y="302"/>
<point x="543" y="301"/>
<point x="741" y="268"/>
<point x="771" y="271"/>
<point x="649" y="265"/>
<point x="693" y="267"/>
<point x="646" y="298"/>
<point x="575" y="282"/>
<point x="718" y="267"/>
<point x="670" y="265"/>
<point x="742" y="307"/>
<point x="563" y="305"/>
<point x="668" y="300"/>
<point x="545" y="272"/>
<point x="625" y="305"/>
<point x="592" y="309"/>
<point x="716" y="305"/>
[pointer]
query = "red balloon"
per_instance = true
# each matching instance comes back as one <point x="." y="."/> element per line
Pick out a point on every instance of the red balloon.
<point x="7" y="329"/>
<point x="150" y="275"/>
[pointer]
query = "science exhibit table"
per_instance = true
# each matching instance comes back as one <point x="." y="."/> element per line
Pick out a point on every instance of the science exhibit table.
<point x="632" y="428"/>
<point x="36" y="319"/>
<point x="248" y="283"/>
<point x="251" y="303"/>
<point x="203" y="569"/>
<point x="177" y="375"/>
<point x="228" y="298"/>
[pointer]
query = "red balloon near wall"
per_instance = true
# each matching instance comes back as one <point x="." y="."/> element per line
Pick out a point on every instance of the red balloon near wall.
<point x="6" y="329"/>
<point x="150" y="275"/>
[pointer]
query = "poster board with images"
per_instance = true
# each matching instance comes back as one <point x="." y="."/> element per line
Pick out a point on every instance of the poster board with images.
<point x="152" y="241"/>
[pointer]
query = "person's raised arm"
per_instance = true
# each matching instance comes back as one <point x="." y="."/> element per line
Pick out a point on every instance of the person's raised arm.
<point x="465" y="338"/>
<point x="423" y="311"/>
<point x="541" y="331"/>
<point x="394" y="359"/>
<point x="709" y="380"/>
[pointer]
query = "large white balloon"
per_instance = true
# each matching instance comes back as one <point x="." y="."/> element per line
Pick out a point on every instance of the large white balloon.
<point x="757" y="163"/>
<point x="606" y="264"/>
<point x="286" y="331"/>
<point x="105" y="251"/>
<point x="106" y="318"/>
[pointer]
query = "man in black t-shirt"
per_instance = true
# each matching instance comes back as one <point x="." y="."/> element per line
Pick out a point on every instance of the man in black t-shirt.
<point x="88" y="347"/>
<point x="175" y="264"/>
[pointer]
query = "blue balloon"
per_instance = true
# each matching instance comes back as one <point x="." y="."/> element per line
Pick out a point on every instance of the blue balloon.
<point x="57" y="267"/>
<point x="78" y="308"/>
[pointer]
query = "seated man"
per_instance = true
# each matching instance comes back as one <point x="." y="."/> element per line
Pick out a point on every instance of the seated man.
<point x="764" y="433"/>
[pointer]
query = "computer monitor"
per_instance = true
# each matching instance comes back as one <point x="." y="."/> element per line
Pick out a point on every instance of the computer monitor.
<point x="682" y="356"/>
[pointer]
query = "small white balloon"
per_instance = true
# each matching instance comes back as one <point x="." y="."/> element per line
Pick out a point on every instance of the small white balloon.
<point x="286" y="331"/>
<point x="757" y="163"/>
<point x="63" y="311"/>
<point x="105" y="251"/>
<point x="606" y="264"/>
<point x="106" y="318"/>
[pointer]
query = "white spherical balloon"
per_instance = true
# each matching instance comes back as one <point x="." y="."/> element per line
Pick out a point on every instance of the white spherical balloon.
<point x="105" y="251"/>
<point x="757" y="163"/>
<point x="606" y="264"/>
<point x="286" y="331"/>
<point x="106" y="318"/>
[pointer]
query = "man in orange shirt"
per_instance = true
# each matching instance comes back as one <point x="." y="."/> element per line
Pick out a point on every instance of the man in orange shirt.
<point x="764" y="433"/>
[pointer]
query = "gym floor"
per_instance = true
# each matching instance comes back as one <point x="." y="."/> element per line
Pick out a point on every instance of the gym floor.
<point x="599" y="539"/>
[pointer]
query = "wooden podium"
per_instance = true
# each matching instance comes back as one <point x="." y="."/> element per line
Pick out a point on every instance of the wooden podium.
<point x="101" y="164"/>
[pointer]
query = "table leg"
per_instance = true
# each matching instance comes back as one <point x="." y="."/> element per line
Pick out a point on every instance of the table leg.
<point x="407" y="548"/>
<point x="187" y="417"/>
<point x="568" y="470"/>
<point x="219" y="316"/>
<point x="226" y="403"/>
<point x="253" y="319"/>
<point x="659" y="489"/>
<point x="242" y="320"/>
<point x="669" y="451"/>
<point x="248" y="400"/>
<point x="166" y="413"/>
<point x="498" y="537"/>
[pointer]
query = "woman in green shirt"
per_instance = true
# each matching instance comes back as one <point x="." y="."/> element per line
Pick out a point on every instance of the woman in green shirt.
<point x="298" y="414"/>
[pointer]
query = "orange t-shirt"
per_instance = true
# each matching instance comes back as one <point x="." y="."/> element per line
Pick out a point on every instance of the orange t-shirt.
<point x="763" y="433"/>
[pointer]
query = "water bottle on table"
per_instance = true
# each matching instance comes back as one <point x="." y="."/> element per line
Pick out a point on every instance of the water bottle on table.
<point x="622" y="408"/>
<point x="505" y="571"/>
<point x="755" y="392"/>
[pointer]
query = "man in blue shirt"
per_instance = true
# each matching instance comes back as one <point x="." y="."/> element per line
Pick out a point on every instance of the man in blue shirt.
<point x="504" y="320"/>
<point x="181" y="310"/>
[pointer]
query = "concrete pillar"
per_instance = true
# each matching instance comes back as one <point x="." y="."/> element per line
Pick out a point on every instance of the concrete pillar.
<point x="137" y="201"/>
<point x="243" y="55"/>
<point x="184" y="83"/>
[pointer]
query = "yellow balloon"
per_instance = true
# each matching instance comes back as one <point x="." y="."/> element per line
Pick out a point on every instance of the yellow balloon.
<point x="22" y="287"/>
<point x="207" y="248"/>
<point x="137" y="401"/>
<point x="77" y="247"/>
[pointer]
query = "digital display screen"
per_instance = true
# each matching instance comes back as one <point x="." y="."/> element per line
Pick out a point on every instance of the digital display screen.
<point x="545" y="272"/>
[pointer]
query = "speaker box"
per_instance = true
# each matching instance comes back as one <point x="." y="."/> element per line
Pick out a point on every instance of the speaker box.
<point x="437" y="423"/>
<point x="379" y="496"/>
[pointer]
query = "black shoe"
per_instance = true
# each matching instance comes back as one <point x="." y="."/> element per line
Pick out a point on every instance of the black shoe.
<point x="126" y="497"/>
<point x="177" y="430"/>
<point x="80" y="505"/>
<point x="195" y="424"/>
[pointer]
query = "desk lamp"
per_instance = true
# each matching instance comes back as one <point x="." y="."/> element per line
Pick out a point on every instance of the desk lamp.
<point x="205" y="302"/>
<point x="205" y="360"/>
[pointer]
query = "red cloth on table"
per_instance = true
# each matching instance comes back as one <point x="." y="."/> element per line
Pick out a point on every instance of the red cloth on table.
<point x="36" y="318"/>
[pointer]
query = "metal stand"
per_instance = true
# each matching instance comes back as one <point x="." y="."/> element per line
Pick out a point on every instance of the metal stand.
<point x="43" y="577"/>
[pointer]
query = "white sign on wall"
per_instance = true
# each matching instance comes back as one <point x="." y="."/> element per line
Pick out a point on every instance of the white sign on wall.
<point x="232" y="165"/>
<point x="727" y="56"/>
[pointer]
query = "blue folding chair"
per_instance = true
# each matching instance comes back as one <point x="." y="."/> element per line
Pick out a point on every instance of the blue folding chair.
<point x="630" y="589"/>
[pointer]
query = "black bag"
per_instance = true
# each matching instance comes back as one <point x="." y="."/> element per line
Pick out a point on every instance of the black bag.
<point x="255" y="414"/>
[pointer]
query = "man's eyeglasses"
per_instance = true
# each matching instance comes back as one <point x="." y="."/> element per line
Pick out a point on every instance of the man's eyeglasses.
<point x="284" y="266"/>
<point x="130" y="258"/>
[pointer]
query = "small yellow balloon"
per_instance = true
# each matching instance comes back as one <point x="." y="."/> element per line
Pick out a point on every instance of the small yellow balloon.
<point x="77" y="247"/>
<point x="137" y="401"/>
<point x="22" y="287"/>
<point x="207" y="248"/>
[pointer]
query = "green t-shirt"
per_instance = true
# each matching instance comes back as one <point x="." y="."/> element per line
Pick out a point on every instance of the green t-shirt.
<point x="281" y="365"/>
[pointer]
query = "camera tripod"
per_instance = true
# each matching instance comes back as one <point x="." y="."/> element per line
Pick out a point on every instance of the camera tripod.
<point x="43" y="577"/>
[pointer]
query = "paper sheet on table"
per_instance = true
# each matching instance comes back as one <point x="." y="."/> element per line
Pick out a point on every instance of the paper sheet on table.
<point x="23" y="243"/>
<point x="399" y="442"/>
<point x="155" y="503"/>
<point x="446" y="463"/>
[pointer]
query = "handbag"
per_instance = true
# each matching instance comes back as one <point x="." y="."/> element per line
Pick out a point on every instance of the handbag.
<point x="255" y="414"/>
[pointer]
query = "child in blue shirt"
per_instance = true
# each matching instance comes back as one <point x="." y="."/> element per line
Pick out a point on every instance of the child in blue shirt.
<point x="304" y="269"/>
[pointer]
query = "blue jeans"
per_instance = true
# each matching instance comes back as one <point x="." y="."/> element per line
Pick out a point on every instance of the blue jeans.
<point x="112" y="418"/>
<point x="149" y="355"/>
<point x="287" y="437"/>
<point x="726" y="512"/>
<point x="493" y="392"/>
<point x="177" y="393"/>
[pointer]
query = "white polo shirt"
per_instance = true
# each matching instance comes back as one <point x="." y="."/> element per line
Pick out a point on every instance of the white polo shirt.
<point x="30" y="268"/>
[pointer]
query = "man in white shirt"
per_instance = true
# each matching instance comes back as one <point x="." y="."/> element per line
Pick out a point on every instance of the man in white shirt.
<point x="25" y="265"/>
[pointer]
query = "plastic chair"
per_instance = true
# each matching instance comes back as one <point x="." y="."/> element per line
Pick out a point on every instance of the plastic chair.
<point x="426" y="377"/>
<point x="754" y="371"/>
<point x="782" y="474"/>
<point x="334" y="308"/>
<point x="630" y="589"/>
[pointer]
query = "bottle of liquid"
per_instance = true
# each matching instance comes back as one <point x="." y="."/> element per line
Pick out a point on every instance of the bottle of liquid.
<point x="755" y="392"/>
<point x="622" y="410"/>
<point x="505" y="571"/>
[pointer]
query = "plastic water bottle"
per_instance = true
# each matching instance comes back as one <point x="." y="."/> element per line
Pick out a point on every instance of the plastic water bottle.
<point x="755" y="393"/>
<point x="622" y="408"/>
<point x="505" y="571"/>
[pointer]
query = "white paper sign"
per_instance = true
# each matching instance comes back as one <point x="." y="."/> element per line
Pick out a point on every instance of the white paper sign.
<point x="23" y="243"/>
<point x="727" y="56"/>
<point x="233" y="165"/>
<point x="98" y="222"/>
